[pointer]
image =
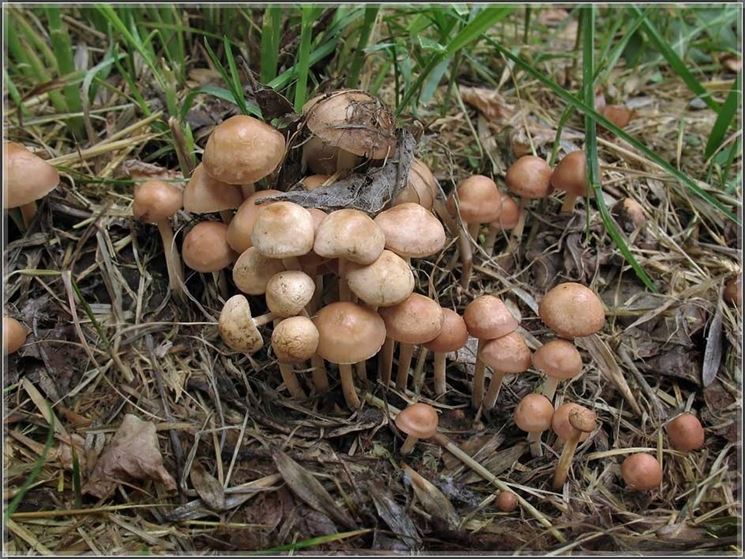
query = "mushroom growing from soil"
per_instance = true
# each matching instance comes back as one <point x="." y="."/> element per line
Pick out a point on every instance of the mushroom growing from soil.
<point x="420" y="187"/>
<point x="418" y="421"/>
<point x="581" y="420"/>
<point x="325" y="159"/>
<point x="411" y="231"/>
<point x="284" y="230"/>
<point x="570" y="175"/>
<point x="509" y="217"/>
<point x="14" y="335"/>
<point x="206" y="248"/>
<point x="558" y="360"/>
<point x="507" y="355"/>
<point x="528" y="178"/>
<point x="252" y="271"/>
<point x="506" y="501"/>
<point x="387" y="281"/>
<point x="620" y="115"/>
<point x="157" y="202"/>
<point x="28" y="178"/>
<point x="452" y="337"/>
<point x="348" y="334"/>
<point x="204" y="194"/>
<point x="242" y="224"/>
<point x="572" y="310"/>
<point x="238" y="328"/>
<point x="685" y="433"/>
<point x="641" y="472"/>
<point x="289" y="292"/>
<point x="533" y="415"/>
<point x="630" y="214"/>
<point x="294" y="340"/>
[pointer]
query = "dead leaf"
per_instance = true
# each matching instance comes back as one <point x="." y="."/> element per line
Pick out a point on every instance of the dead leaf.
<point x="489" y="102"/>
<point x="134" y="168"/>
<point x="713" y="352"/>
<point x="209" y="489"/>
<point x="394" y="515"/>
<point x="132" y="454"/>
<point x="499" y="462"/>
<point x="432" y="499"/>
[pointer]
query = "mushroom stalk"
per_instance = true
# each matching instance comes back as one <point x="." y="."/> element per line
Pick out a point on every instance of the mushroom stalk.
<point x="473" y="231"/>
<point x="386" y="361"/>
<point x="562" y="468"/>
<point x="291" y="263"/>
<point x="319" y="377"/>
<point x="440" y="373"/>
<point x="408" y="445"/>
<point x="406" y="352"/>
<point x="493" y="392"/>
<point x="290" y="380"/>
<point x="28" y="212"/>
<point x="549" y="387"/>
<point x="173" y="260"/>
<point x="419" y="370"/>
<point x="347" y="386"/>
<point x="534" y="439"/>
<point x="222" y="283"/>
<point x="361" y="370"/>
<point x="477" y="392"/>
<point x="248" y="190"/>
<point x="569" y="201"/>
<point x="491" y="239"/>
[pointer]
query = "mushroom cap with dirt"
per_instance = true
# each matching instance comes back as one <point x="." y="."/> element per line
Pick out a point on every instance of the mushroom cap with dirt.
<point x="295" y="339"/>
<point x="570" y="175"/>
<point x="206" y="248"/>
<point x="283" y="230"/>
<point x="348" y="333"/>
<point x="237" y="327"/>
<point x="641" y="472"/>
<point x="529" y="177"/>
<point x="630" y="214"/>
<point x="243" y="150"/>
<point x="288" y="292"/>
<point x="508" y="354"/>
<point x="533" y="413"/>
<point x="453" y="334"/>
<point x="14" y="335"/>
<point x="252" y="271"/>
<point x="488" y="318"/>
<point x="572" y="310"/>
<point x="560" y="424"/>
<point x="28" y="177"/>
<point x="420" y="187"/>
<point x="387" y="281"/>
<point x="351" y="235"/>
<point x="559" y="359"/>
<point x="685" y="433"/>
<point x="416" y="320"/>
<point x="156" y="201"/>
<point x="411" y="231"/>
<point x="204" y="194"/>
<point x="242" y="224"/>
<point x="479" y="200"/>
<point x="418" y="420"/>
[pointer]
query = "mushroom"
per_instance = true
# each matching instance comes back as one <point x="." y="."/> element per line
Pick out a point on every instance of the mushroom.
<point x="204" y="194"/>
<point x="252" y="271"/>
<point x="387" y="281"/>
<point x="558" y="360"/>
<point x="572" y="310"/>
<point x="289" y="292"/>
<point x="314" y="181"/>
<point x="620" y="115"/>
<point x="242" y="224"/>
<point x="206" y="249"/>
<point x="156" y="202"/>
<point x="685" y="433"/>
<point x="570" y="175"/>
<point x="581" y="420"/>
<point x="418" y="421"/>
<point x="348" y="334"/>
<point x="641" y="472"/>
<point x="14" y="335"/>
<point x="560" y="422"/>
<point x="28" y="178"/>
<point x="506" y="355"/>
<point x="312" y="263"/>
<point x="420" y="187"/>
<point x="528" y="178"/>
<point x="411" y="231"/>
<point x="533" y="415"/>
<point x="630" y="214"/>
<point x="243" y="150"/>
<point x="487" y="318"/>
<point x="508" y="219"/>
<point x="506" y="501"/>
<point x="294" y="340"/>
<point x="349" y="235"/>
<point x="732" y="293"/>
<point x="238" y="328"/>
<point x="284" y="230"/>
<point x="416" y="320"/>
<point x="452" y="337"/>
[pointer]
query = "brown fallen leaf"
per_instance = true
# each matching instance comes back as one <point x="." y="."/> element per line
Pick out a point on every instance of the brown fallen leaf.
<point x="713" y="352"/>
<point x="491" y="104"/>
<point x="394" y="515"/>
<point x="433" y="500"/>
<point x="209" y="489"/>
<point x="132" y="454"/>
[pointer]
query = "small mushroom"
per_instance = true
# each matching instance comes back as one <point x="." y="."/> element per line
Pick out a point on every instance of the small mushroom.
<point x="732" y="293"/>
<point x="28" y="178"/>
<point x="560" y="422"/>
<point x="581" y="420"/>
<point x="533" y="415"/>
<point x="572" y="310"/>
<point x="641" y="472"/>
<point x="289" y="292"/>
<point x="314" y="181"/>
<point x="685" y="433"/>
<point x="506" y="355"/>
<point x="528" y="178"/>
<point x="206" y="248"/>
<point x="238" y="328"/>
<point x="558" y="360"/>
<point x="506" y="501"/>
<point x="387" y="281"/>
<point x="418" y="421"/>
<point x="620" y="115"/>
<point x="242" y="224"/>
<point x="294" y="340"/>
<point x="570" y="175"/>
<point x="252" y="271"/>
<point x="453" y="336"/>
<point x="284" y="230"/>
<point x="14" y="335"/>
<point x="508" y="219"/>
<point x="204" y="194"/>
<point x="420" y="188"/>
<point x="411" y="231"/>
<point x="630" y="214"/>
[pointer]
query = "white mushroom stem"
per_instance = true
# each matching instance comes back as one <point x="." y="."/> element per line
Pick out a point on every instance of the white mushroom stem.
<point x="562" y="468"/>
<point x="408" y="445"/>
<point x="386" y="361"/>
<point x="28" y="213"/>
<point x="318" y="376"/>
<point x="568" y="206"/>
<point x="534" y="439"/>
<point x="173" y="259"/>
<point x="517" y="231"/>
<point x="440" y="373"/>
<point x="419" y="370"/>
<point x="549" y="387"/>
<point x="479" y="369"/>
<point x="289" y="378"/>
<point x="248" y="190"/>
<point x="473" y="231"/>
<point x="405" y="353"/>
<point x="491" y="239"/>
<point x="260" y="321"/>
<point x="222" y="283"/>
<point x="347" y="386"/>
<point x="493" y="392"/>
<point x="466" y="258"/>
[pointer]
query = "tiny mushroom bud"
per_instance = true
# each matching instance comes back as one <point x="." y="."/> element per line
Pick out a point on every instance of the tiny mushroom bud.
<point x="685" y="433"/>
<point x="641" y="472"/>
<point x="581" y="420"/>
<point x="288" y="293"/>
<point x="570" y="175"/>
<point x="506" y="355"/>
<point x="28" y="178"/>
<point x="387" y="281"/>
<point x="411" y="231"/>
<point x="559" y="360"/>
<point x="238" y="328"/>
<point x="572" y="310"/>
<point x="506" y="501"/>
<point x="206" y="248"/>
<point x="14" y="335"/>
<point x="533" y="415"/>
<point x="242" y="224"/>
<point x="620" y="115"/>
<point x="418" y="421"/>
<point x="284" y="230"/>
<point x="204" y="194"/>
<point x="452" y="337"/>
<point x="732" y="293"/>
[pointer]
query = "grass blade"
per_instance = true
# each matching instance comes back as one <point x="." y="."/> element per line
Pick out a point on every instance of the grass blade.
<point x="371" y="14"/>
<point x="303" y="56"/>
<point x="312" y="542"/>
<point x="236" y="94"/>
<point x="270" y="36"/>
<point x="726" y="117"/>
<point x="62" y="48"/>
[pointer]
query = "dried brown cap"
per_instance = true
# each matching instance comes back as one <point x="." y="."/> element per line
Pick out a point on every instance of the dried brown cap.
<point x="354" y="121"/>
<point x="387" y="281"/>
<point x="155" y="201"/>
<point x="479" y="200"/>
<point x="529" y="177"/>
<point x="418" y="420"/>
<point x="559" y="359"/>
<point x="314" y="181"/>
<point x="295" y="339"/>
<point x="508" y="354"/>
<point x="27" y="176"/>
<point x="237" y="327"/>
<point x="206" y="248"/>
<point x="506" y="501"/>
<point x="416" y="320"/>
<point x="243" y="150"/>
<point x="685" y="433"/>
<point x="488" y="318"/>
<point x="533" y="414"/>
<point x="252" y="271"/>
<point x="348" y="333"/>
<point x="572" y="310"/>
<point x="509" y="215"/>
<point x="283" y="230"/>
<point x="630" y="214"/>
<point x="204" y="194"/>
<point x="453" y="334"/>
<point x="411" y="231"/>
<point x="570" y="174"/>
<point x="14" y="335"/>
<point x="420" y="187"/>
<point x="560" y="421"/>
<point x="641" y="472"/>
<point x="242" y="224"/>
<point x="351" y="235"/>
<point x="287" y="293"/>
<point x="732" y="293"/>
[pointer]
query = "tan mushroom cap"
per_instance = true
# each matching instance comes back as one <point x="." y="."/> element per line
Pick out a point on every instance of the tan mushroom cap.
<point x="314" y="181"/>
<point x="204" y="194"/>
<point x="559" y="359"/>
<point x="509" y="215"/>
<point x="416" y="320"/>
<point x="453" y="334"/>
<point x="237" y="327"/>
<point x="420" y="187"/>
<point x="283" y="230"/>
<point x="488" y="318"/>
<point x="206" y="248"/>
<point x="479" y="200"/>
<point x="295" y="339"/>
<point x="354" y="121"/>
<point x="506" y="501"/>
<point x="387" y="281"/>
<point x="351" y="235"/>
<point x="242" y="150"/>
<point x="529" y="177"/>
<point x="418" y="420"/>
<point x="533" y="414"/>
<point x="411" y="231"/>
<point x="630" y="214"/>
<point x="242" y="224"/>
<point x="641" y="472"/>
<point x="252" y="271"/>
<point x="560" y="421"/>
<point x="572" y="310"/>
<point x="287" y="293"/>
<point x="14" y="335"/>
<point x="155" y="201"/>
<point x="620" y="115"/>
<point x="348" y="333"/>
<point x="570" y="174"/>
<point x="583" y="420"/>
<point x="312" y="261"/>
<point x="685" y="433"/>
<point x="508" y="354"/>
<point x="27" y="176"/>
